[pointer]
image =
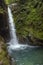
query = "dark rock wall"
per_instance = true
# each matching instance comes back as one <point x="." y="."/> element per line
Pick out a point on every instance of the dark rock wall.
<point x="4" y="28"/>
<point x="5" y="59"/>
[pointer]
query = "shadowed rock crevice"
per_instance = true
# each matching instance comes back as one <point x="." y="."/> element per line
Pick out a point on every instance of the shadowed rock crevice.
<point x="4" y="26"/>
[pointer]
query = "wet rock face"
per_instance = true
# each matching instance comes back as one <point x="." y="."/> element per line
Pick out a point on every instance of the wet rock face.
<point x="4" y="29"/>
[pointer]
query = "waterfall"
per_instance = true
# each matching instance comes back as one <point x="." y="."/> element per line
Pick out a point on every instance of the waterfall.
<point x="13" y="44"/>
<point x="12" y="27"/>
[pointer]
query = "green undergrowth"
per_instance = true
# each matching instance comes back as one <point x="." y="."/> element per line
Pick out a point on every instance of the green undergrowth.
<point x="3" y="53"/>
<point x="28" y="18"/>
<point x="9" y="1"/>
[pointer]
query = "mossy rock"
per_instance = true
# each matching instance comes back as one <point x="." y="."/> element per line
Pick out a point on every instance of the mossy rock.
<point x="3" y="53"/>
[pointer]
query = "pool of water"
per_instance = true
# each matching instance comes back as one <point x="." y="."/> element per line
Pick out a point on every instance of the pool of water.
<point x="28" y="56"/>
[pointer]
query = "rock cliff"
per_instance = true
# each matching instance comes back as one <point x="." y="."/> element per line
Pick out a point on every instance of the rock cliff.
<point x="4" y="27"/>
<point x="4" y="34"/>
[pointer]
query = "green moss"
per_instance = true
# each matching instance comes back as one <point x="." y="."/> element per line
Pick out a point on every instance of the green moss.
<point x="9" y="1"/>
<point x="1" y="10"/>
<point x="3" y="53"/>
<point x="29" y="18"/>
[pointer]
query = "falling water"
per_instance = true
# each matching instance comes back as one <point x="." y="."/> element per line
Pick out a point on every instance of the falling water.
<point x="12" y="28"/>
<point x="13" y="44"/>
